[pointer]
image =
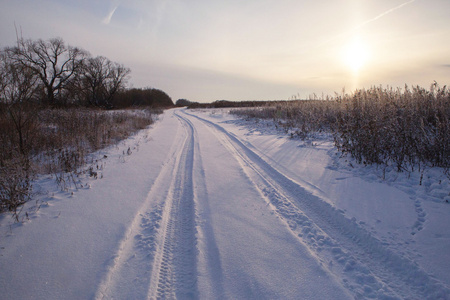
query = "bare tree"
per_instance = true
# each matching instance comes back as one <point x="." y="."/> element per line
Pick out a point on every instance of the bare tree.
<point x="54" y="62"/>
<point x="94" y="77"/>
<point x="102" y="79"/>
<point x="117" y="79"/>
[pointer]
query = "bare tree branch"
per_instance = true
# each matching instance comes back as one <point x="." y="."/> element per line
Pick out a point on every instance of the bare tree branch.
<point x="54" y="62"/>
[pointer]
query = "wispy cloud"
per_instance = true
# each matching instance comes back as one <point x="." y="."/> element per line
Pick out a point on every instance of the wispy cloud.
<point x="354" y="29"/>
<point x="113" y="7"/>
<point x="382" y="15"/>
<point x="108" y="18"/>
<point x="131" y="14"/>
<point x="361" y="25"/>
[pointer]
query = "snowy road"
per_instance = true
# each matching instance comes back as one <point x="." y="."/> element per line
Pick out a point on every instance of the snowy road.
<point x="197" y="212"/>
<point x="216" y="235"/>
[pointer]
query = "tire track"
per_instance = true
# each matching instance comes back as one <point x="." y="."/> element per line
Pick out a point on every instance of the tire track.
<point x="174" y="272"/>
<point x="157" y="256"/>
<point x="366" y="267"/>
<point x="209" y="262"/>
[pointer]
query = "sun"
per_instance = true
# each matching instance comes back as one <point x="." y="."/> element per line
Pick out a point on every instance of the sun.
<point x="356" y="55"/>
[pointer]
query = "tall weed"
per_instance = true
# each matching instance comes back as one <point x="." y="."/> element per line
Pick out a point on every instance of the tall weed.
<point x="408" y="128"/>
<point x="56" y="141"/>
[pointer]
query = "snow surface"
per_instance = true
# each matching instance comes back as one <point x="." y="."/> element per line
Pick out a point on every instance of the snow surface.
<point x="208" y="206"/>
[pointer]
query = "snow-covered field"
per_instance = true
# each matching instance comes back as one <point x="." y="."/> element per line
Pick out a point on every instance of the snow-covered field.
<point x="211" y="207"/>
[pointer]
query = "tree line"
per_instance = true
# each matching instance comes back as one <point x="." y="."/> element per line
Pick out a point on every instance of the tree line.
<point x="221" y="104"/>
<point x="53" y="73"/>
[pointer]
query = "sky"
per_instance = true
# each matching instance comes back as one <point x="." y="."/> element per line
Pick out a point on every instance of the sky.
<point x="207" y="50"/>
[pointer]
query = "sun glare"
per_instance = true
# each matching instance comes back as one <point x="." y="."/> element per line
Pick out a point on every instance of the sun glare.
<point x="356" y="55"/>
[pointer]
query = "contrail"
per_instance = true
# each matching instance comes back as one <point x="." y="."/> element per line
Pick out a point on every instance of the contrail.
<point x="382" y="15"/>
<point x="362" y="24"/>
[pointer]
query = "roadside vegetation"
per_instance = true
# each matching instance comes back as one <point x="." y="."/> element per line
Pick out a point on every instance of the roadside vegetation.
<point x="406" y="128"/>
<point x="57" y="105"/>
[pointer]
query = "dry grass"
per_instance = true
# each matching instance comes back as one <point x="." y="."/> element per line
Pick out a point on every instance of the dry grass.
<point x="301" y="118"/>
<point x="408" y="128"/>
<point x="55" y="141"/>
<point x="69" y="135"/>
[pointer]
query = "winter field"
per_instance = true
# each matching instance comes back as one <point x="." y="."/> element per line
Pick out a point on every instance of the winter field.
<point x="204" y="205"/>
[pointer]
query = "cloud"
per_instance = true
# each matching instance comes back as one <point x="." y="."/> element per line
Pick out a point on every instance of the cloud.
<point x="108" y="18"/>
<point x="150" y="17"/>
<point x="128" y="14"/>
<point x="361" y="25"/>
<point x="382" y="15"/>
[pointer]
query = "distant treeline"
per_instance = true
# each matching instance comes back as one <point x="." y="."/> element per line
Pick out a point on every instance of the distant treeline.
<point x="52" y="73"/>
<point x="142" y="97"/>
<point x="225" y="103"/>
